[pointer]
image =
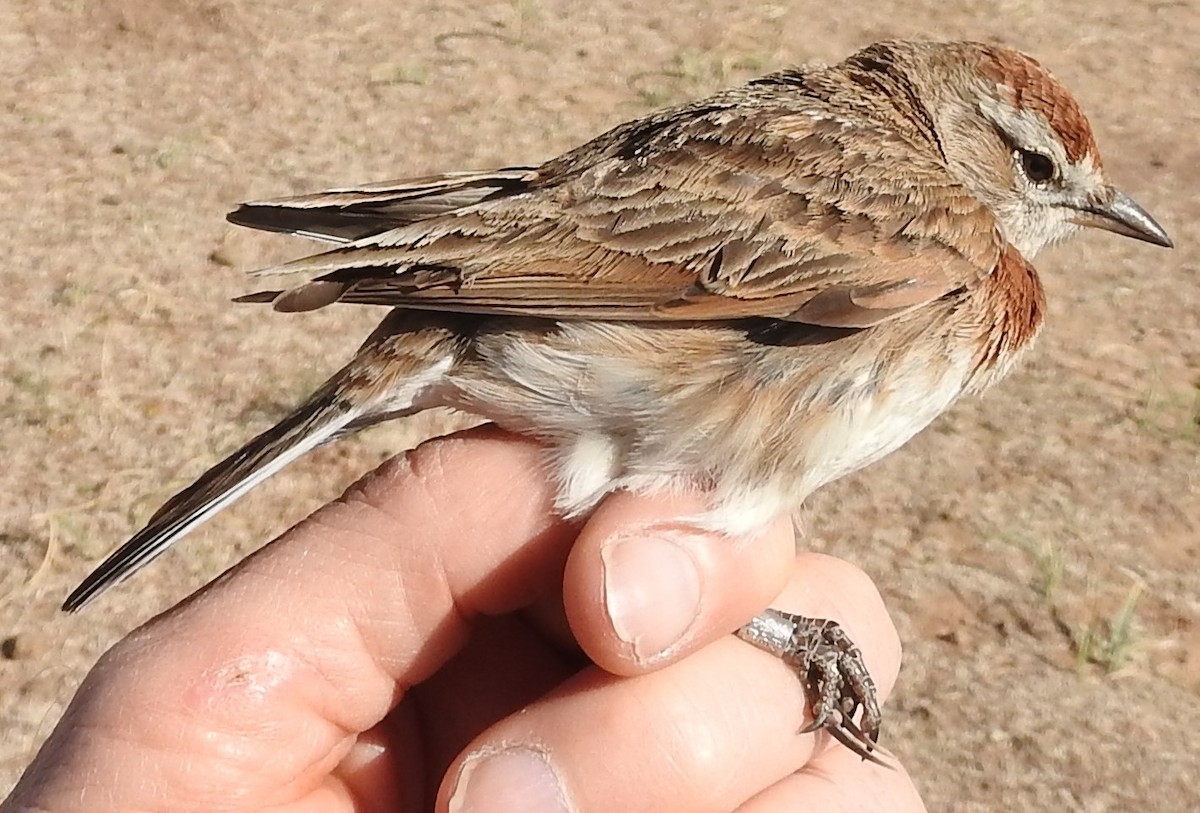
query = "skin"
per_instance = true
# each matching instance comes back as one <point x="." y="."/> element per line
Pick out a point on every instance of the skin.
<point x="408" y="646"/>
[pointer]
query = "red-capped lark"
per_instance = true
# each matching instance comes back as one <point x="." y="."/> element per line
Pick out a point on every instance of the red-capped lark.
<point x="751" y="295"/>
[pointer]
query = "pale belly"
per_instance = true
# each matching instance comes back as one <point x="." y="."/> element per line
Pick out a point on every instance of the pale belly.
<point x="864" y="426"/>
<point x="618" y="414"/>
<point x="871" y="425"/>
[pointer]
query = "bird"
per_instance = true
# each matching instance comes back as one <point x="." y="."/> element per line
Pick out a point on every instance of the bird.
<point x="749" y="295"/>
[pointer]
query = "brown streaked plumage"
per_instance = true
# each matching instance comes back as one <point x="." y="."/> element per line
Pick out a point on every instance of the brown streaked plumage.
<point x="753" y="294"/>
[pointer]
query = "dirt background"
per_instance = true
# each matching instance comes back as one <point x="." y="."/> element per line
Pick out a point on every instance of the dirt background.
<point x="1040" y="548"/>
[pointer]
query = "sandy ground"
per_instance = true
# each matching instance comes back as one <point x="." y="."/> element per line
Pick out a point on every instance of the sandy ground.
<point x="1040" y="548"/>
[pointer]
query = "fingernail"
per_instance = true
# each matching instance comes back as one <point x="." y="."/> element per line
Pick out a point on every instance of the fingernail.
<point x="651" y="592"/>
<point x="515" y="780"/>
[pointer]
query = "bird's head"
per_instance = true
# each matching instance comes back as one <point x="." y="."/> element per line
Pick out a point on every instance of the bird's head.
<point x="1017" y="139"/>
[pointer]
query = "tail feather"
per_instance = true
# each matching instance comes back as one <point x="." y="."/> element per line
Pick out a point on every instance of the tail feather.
<point x="319" y="420"/>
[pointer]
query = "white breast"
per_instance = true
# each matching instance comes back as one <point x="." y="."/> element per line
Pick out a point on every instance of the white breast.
<point x="870" y="421"/>
<point x="872" y="425"/>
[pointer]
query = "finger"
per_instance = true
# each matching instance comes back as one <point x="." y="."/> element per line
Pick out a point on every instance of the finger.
<point x="706" y="733"/>
<point x="505" y="666"/>
<point x="643" y="588"/>
<point x="837" y="781"/>
<point x="259" y="683"/>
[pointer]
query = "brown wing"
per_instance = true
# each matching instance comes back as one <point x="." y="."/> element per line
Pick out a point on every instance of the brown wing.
<point x="713" y="211"/>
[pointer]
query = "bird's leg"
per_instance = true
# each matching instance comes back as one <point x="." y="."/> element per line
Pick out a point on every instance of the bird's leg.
<point x="833" y="672"/>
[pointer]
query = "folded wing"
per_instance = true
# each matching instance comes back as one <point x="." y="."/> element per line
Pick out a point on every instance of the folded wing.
<point x="718" y="211"/>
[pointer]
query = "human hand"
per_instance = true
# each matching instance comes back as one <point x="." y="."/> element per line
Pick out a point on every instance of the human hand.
<point x="408" y="643"/>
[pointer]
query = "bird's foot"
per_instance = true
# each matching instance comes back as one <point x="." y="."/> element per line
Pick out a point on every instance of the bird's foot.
<point x="833" y="671"/>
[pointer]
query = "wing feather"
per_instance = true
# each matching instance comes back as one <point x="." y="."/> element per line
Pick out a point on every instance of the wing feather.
<point x="351" y="213"/>
<point x="728" y="209"/>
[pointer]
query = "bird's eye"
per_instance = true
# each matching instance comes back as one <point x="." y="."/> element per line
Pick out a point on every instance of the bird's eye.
<point x="1038" y="168"/>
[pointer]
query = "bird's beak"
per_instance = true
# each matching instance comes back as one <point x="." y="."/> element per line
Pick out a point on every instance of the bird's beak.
<point x="1117" y="212"/>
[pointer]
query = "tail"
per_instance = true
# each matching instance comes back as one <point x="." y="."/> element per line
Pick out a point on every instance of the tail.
<point x="319" y="420"/>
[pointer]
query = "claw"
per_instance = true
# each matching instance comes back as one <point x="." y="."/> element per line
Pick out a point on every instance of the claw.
<point x="850" y="736"/>
<point x="816" y="725"/>
<point x="832" y="668"/>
